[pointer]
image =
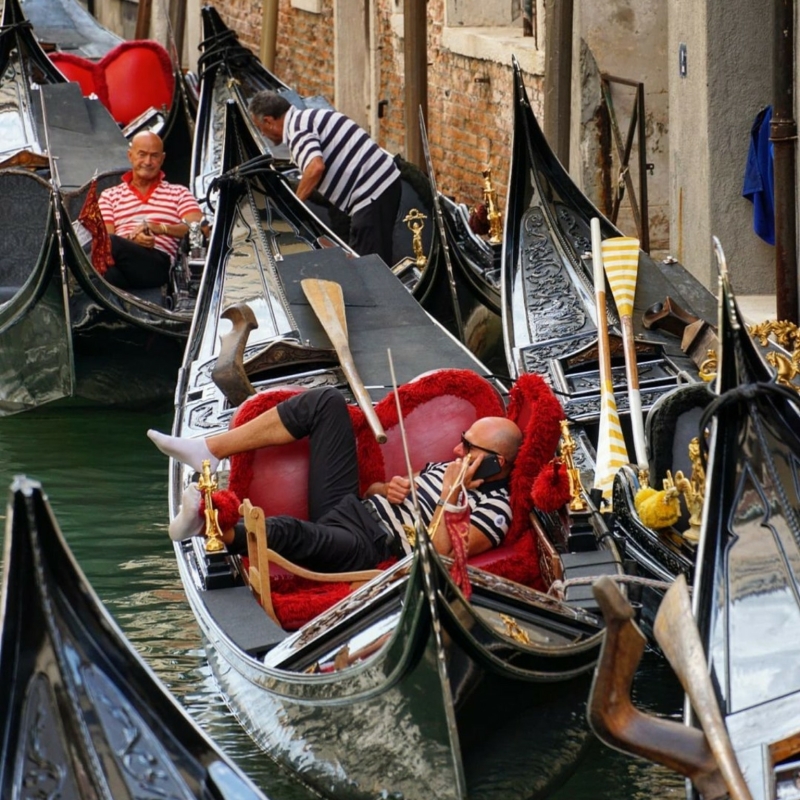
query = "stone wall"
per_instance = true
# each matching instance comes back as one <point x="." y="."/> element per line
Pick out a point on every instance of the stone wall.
<point x="469" y="99"/>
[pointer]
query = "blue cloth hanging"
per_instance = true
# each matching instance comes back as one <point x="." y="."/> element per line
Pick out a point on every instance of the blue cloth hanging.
<point x="758" y="185"/>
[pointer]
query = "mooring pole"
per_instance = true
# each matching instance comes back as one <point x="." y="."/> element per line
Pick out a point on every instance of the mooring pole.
<point x="558" y="76"/>
<point x="783" y="135"/>
<point x="415" y="97"/>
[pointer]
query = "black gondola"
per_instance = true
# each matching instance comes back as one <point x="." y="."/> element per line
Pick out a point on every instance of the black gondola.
<point x="83" y="715"/>
<point x="66" y="332"/>
<point x="746" y="598"/>
<point x="551" y="325"/>
<point x="402" y="686"/>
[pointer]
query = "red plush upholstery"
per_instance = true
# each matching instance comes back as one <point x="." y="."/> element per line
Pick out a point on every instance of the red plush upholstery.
<point x="129" y="79"/>
<point x="437" y="407"/>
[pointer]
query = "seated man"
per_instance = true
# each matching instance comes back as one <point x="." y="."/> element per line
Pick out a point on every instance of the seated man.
<point x="345" y="532"/>
<point x="146" y="217"/>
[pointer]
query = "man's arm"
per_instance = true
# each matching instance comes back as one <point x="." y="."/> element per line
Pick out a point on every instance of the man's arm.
<point x="311" y="177"/>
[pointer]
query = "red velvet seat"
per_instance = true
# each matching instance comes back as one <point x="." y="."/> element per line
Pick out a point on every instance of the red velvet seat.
<point x="437" y="408"/>
<point x="129" y="79"/>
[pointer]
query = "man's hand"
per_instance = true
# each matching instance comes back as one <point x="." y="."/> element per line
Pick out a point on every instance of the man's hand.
<point x="142" y="235"/>
<point x="451" y="474"/>
<point x="397" y="489"/>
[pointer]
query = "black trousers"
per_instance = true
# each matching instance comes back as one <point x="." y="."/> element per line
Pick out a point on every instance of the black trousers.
<point x="372" y="228"/>
<point x="136" y="267"/>
<point x="341" y="534"/>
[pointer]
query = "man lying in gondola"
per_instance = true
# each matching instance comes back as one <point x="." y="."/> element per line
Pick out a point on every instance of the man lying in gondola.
<point x="345" y="532"/>
<point x="146" y="217"/>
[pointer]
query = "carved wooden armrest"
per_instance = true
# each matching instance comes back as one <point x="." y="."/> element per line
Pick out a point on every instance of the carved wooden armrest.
<point x="260" y="556"/>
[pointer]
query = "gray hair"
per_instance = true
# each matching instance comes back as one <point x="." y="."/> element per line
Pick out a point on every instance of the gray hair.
<point x="267" y="103"/>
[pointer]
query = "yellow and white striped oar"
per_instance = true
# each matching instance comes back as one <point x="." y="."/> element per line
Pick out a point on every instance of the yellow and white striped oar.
<point x="611" y="451"/>
<point x="621" y="261"/>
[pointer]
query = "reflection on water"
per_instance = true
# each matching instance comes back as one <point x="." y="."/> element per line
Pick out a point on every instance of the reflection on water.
<point x="108" y="487"/>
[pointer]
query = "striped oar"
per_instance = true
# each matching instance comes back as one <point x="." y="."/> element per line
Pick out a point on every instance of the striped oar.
<point x="611" y="451"/>
<point x="621" y="260"/>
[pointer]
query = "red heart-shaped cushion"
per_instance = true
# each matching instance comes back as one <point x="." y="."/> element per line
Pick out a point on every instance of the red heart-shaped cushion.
<point x="128" y="79"/>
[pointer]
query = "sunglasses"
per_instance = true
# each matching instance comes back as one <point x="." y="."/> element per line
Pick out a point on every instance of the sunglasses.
<point x="467" y="445"/>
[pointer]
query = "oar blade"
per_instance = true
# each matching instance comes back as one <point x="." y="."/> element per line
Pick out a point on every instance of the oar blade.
<point x="327" y="300"/>
<point x="621" y="263"/>
<point x="612" y="453"/>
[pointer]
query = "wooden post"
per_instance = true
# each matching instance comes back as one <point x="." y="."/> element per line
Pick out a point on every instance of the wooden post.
<point x="269" y="31"/>
<point x="177" y="19"/>
<point x="783" y="135"/>
<point x="558" y="77"/>
<point x="143" y="19"/>
<point x="415" y="49"/>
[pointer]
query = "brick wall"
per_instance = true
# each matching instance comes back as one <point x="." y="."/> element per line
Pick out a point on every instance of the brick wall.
<point x="469" y="100"/>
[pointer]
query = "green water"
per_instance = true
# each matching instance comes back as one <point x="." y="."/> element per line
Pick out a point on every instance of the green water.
<point x="108" y="487"/>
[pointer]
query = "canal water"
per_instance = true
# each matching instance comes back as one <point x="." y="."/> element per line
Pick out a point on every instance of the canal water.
<point x="107" y="485"/>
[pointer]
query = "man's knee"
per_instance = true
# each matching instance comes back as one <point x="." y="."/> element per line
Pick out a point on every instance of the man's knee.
<point x="306" y="411"/>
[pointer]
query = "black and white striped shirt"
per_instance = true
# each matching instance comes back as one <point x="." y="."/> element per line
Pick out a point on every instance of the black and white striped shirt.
<point x="356" y="169"/>
<point x="490" y="510"/>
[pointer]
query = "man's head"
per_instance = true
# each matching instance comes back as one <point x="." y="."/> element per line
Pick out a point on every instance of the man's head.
<point x="146" y="154"/>
<point x="267" y="110"/>
<point x="492" y="436"/>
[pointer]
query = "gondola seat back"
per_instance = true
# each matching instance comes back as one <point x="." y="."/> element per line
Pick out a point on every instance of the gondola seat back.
<point x="437" y="407"/>
<point x="25" y="212"/>
<point x="128" y="79"/>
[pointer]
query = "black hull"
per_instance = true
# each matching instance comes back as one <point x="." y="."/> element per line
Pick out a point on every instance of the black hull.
<point x="83" y="715"/>
<point x="65" y="331"/>
<point x="747" y="583"/>
<point x="416" y="716"/>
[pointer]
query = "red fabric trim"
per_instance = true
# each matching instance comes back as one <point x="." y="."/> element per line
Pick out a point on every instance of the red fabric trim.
<point x="551" y="488"/>
<point x="91" y="218"/>
<point x="535" y="408"/>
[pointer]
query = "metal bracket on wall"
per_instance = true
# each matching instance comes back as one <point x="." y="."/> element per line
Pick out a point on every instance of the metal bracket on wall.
<point x="636" y="124"/>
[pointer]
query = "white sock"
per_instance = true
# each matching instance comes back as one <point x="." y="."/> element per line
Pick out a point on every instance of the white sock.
<point x="188" y="522"/>
<point x="188" y="451"/>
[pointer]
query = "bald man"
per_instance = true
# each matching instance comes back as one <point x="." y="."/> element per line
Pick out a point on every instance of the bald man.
<point x="346" y="532"/>
<point x="146" y="217"/>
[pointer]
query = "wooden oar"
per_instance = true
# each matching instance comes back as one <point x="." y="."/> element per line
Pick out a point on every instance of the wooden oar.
<point x="676" y="632"/>
<point x="327" y="300"/>
<point x="621" y="262"/>
<point x="611" y="451"/>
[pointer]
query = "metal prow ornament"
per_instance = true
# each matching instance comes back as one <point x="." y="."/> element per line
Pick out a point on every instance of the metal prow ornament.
<point x="576" y="491"/>
<point x="207" y="485"/>
<point x="415" y="220"/>
<point x="492" y="210"/>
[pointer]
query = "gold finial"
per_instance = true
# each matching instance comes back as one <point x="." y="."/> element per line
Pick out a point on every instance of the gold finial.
<point x="513" y="630"/>
<point x="208" y="484"/>
<point x="576" y="490"/>
<point x="693" y="490"/>
<point x="493" y="212"/>
<point x="708" y="369"/>
<point x="415" y="220"/>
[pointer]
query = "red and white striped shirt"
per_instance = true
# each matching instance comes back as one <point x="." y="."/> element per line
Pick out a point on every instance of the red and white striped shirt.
<point x="125" y="208"/>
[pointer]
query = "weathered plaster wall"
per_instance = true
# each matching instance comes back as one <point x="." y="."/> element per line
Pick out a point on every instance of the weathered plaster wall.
<point x="627" y="39"/>
<point x="728" y="79"/>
